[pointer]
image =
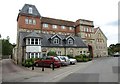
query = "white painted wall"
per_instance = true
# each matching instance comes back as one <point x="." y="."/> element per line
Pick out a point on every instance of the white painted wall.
<point x="33" y="48"/>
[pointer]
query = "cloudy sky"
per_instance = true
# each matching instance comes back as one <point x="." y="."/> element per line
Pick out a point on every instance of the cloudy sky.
<point x="104" y="13"/>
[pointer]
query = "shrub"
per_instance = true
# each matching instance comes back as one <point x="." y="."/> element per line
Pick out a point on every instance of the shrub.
<point x="70" y="56"/>
<point x="51" y="53"/>
<point x="82" y="58"/>
<point x="29" y="62"/>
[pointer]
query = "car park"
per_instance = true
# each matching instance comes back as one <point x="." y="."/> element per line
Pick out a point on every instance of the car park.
<point x="64" y="60"/>
<point x="48" y="62"/>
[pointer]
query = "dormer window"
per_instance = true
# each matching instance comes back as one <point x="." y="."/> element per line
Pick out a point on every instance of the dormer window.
<point x="70" y="41"/>
<point x="30" y="10"/>
<point x="56" y="41"/>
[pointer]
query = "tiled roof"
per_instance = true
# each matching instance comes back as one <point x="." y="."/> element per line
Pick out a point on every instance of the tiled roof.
<point x="25" y="9"/>
<point x="33" y="34"/>
<point x="57" y="21"/>
<point x="46" y="43"/>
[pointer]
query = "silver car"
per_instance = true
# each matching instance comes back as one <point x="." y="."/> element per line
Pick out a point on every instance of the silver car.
<point x="64" y="60"/>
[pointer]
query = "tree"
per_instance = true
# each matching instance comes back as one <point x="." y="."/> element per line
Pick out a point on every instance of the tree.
<point x="113" y="48"/>
<point x="6" y="47"/>
<point x="51" y="53"/>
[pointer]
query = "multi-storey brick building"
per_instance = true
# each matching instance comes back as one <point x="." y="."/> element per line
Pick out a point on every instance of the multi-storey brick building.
<point x="37" y="35"/>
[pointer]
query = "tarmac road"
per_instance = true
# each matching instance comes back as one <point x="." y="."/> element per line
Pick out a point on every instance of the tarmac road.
<point x="101" y="70"/>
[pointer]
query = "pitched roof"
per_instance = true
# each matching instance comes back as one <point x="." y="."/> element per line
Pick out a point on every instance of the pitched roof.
<point x="25" y="9"/>
<point x="33" y="34"/>
<point x="46" y="43"/>
<point x="96" y="29"/>
<point x="57" y="21"/>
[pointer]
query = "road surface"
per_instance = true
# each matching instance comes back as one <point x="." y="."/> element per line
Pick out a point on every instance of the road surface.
<point x="99" y="70"/>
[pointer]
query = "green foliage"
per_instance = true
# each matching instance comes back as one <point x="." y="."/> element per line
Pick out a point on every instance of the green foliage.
<point x="113" y="48"/>
<point x="51" y="53"/>
<point x="70" y="56"/>
<point x="6" y="47"/>
<point x="29" y="62"/>
<point x="82" y="58"/>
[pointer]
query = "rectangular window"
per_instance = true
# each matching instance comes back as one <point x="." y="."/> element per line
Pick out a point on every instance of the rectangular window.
<point x="32" y="41"/>
<point x="56" y="41"/>
<point x="89" y="35"/>
<point x="63" y="27"/>
<point x="45" y="25"/>
<point x="28" y="41"/>
<point x="39" y="42"/>
<point x="34" y="22"/>
<point x="26" y="20"/>
<point x="54" y="26"/>
<point x="30" y="10"/>
<point x="36" y="41"/>
<point x="32" y="55"/>
<point x="70" y="41"/>
<point x="59" y="52"/>
<point x="71" y="28"/>
<point x="30" y="21"/>
<point x="36" y="55"/>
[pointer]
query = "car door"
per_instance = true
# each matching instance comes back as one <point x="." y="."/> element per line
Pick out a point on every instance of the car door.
<point x="47" y="61"/>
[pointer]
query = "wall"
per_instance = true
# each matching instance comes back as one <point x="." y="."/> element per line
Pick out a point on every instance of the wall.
<point x="22" y="24"/>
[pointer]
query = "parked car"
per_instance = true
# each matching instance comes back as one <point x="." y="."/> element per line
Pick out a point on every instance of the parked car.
<point x="48" y="62"/>
<point x="116" y="54"/>
<point x="72" y="61"/>
<point x="64" y="60"/>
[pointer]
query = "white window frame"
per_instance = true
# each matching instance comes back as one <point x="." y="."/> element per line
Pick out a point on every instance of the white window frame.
<point x="45" y="25"/>
<point x="30" y="11"/>
<point x="32" y="41"/>
<point x="54" y="26"/>
<point x="70" y="41"/>
<point x="63" y="27"/>
<point x="26" y="20"/>
<point x="34" y="22"/>
<point x="56" y="40"/>
<point x="71" y="28"/>
<point x="30" y="21"/>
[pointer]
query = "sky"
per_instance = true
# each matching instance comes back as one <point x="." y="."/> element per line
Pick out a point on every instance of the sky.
<point x="104" y="13"/>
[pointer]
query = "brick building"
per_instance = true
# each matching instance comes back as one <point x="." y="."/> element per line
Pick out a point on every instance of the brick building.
<point x="37" y="35"/>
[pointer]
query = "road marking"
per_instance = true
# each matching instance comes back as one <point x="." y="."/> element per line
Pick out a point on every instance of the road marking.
<point x="67" y="73"/>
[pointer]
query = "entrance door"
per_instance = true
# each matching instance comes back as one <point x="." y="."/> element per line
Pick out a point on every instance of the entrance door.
<point x="90" y="50"/>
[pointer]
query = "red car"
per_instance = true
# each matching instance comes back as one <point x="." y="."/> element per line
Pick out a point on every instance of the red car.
<point x="48" y="62"/>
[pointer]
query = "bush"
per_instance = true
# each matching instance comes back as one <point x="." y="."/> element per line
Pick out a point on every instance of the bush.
<point x="51" y="53"/>
<point x="70" y="56"/>
<point x="29" y="62"/>
<point x="82" y="58"/>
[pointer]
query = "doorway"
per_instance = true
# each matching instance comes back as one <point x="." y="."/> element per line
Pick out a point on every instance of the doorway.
<point x="90" y="50"/>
